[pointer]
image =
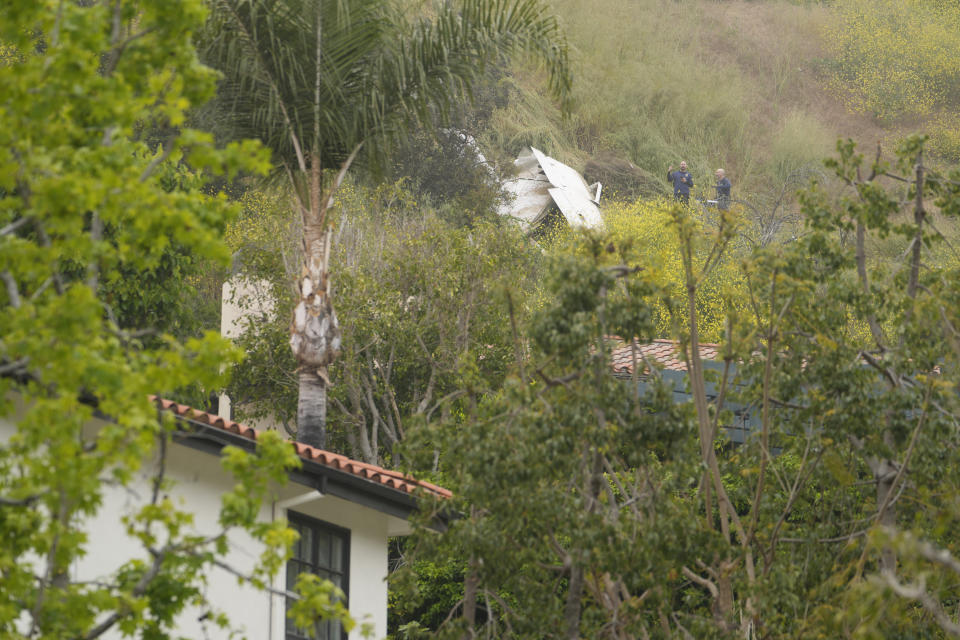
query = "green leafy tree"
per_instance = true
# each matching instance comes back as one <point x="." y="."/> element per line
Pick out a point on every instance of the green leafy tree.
<point x="322" y="82"/>
<point x="85" y="203"/>
<point x="560" y="474"/>
<point x="421" y="335"/>
<point x="588" y="511"/>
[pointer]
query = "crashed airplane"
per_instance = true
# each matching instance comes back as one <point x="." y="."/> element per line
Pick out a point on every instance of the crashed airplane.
<point x="544" y="188"/>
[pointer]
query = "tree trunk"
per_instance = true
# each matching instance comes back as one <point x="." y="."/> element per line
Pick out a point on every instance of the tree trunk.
<point x="312" y="410"/>
<point x="314" y="336"/>
<point x="471" y="582"/>
<point x="571" y="612"/>
<point x="885" y="475"/>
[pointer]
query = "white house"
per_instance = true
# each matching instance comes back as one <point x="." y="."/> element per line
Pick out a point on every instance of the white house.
<point x="344" y="509"/>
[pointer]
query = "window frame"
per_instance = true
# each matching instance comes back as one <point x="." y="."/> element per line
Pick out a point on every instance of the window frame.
<point x="344" y="534"/>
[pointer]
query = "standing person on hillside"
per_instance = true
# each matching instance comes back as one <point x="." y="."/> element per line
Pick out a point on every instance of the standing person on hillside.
<point x="723" y="190"/>
<point x="682" y="181"/>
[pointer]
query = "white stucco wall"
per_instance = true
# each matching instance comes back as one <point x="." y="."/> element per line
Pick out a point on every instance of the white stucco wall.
<point x="243" y="300"/>
<point x="198" y="483"/>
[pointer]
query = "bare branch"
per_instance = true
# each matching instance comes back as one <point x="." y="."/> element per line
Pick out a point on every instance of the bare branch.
<point x="431" y="381"/>
<point x="13" y="293"/>
<point x="158" y="160"/>
<point x="96" y="235"/>
<point x="556" y="382"/>
<point x="876" y="364"/>
<point x="162" y="466"/>
<point x="703" y="582"/>
<point x="918" y="216"/>
<point x="918" y="593"/>
<point x="138" y="590"/>
<point x="63" y="514"/>
<point x="43" y="287"/>
<point x="116" y="53"/>
<point x="55" y="32"/>
<point x="249" y="579"/>
<point x="846" y="538"/>
<point x="450" y="396"/>
<point x="802" y="474"/>
<point x="16" y="224"/>
<point x="686" y="634"/>
<point x="622" y="270"/>
<point x="517" y="345"/>
<point x="19" y="502"/>
<point x="338" y="180"/>
<point x="46" y="244"/>
<point x="888" y="499"/>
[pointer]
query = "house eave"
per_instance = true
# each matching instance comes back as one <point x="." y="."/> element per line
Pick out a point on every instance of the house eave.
<point x="329" y="481"/>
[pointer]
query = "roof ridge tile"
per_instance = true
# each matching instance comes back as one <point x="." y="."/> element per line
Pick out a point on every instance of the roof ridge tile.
<point x="373" y="473"/>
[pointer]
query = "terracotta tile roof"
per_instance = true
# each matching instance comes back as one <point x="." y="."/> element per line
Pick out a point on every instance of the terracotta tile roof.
<point x="392" y="479"/>
<point x="663" y="352"/>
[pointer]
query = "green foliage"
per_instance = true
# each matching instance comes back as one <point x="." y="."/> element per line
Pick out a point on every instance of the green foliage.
<point x="264" y="243"/>
<point x="945" y="136"/>
<point x="414" y="294"/>
<point x="321" y="82"/>
<point x="798" y="147"/>
<point x="659" y="83"/>
<point x="320" y="600"/>
<point x="445" y="168"/>
<point x="643" y="231"/>
<point x="529" y="476"/>
<point x="99" y="233"/>
<point x="836" y="518"/>
<point x="314" y="80"/>
<point x="421" y="596"/>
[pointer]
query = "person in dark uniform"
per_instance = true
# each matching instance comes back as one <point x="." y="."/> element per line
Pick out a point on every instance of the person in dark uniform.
<point x="723" y="190"/>
<point x="682" y="181"/>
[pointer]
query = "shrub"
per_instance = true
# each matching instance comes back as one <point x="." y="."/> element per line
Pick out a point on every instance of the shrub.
<point x="896" y="57"/>
<point x="645" y="233"/>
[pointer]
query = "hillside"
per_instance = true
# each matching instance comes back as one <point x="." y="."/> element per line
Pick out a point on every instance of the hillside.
<point x="743" y="85"/>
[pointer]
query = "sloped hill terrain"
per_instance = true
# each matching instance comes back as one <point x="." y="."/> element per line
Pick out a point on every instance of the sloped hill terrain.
<point x="750" y="86"/>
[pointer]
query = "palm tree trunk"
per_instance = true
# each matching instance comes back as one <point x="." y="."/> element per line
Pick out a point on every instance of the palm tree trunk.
<point x="314" y="336"/>
<point x="312" y="410"/>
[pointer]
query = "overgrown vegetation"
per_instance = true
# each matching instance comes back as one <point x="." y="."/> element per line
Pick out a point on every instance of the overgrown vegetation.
<point x="896" y="58"/>
<point x="571" y="479"/>
<point x="586" y="505"/>
<point x="100" y="233"/>
<point x="738" y="543"/>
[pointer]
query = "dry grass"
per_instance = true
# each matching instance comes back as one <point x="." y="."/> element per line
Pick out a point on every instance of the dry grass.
<point x="780" y="47"/>
<point x="739" y="84"/>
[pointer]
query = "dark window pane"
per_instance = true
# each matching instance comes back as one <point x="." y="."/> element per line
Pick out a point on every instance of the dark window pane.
<point x="290" y="627"/>
<point x="336" y="553"/>
<point x="298" y="548"/>
<point x="306" y="545"/>
<point x="323" y="550"/>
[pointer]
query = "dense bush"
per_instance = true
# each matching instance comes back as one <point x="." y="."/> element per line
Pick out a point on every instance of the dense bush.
<point x="643" y="233"/>
<point x="896" y="57"/>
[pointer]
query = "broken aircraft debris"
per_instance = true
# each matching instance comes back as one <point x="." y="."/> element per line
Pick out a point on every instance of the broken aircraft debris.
<point x="544" y="187"/>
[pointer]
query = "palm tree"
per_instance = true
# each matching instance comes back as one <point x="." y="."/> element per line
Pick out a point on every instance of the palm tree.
<point x="323" y="82"/>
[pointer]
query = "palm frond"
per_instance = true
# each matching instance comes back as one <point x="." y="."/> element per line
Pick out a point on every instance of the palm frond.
<point x="322" y="76"/>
